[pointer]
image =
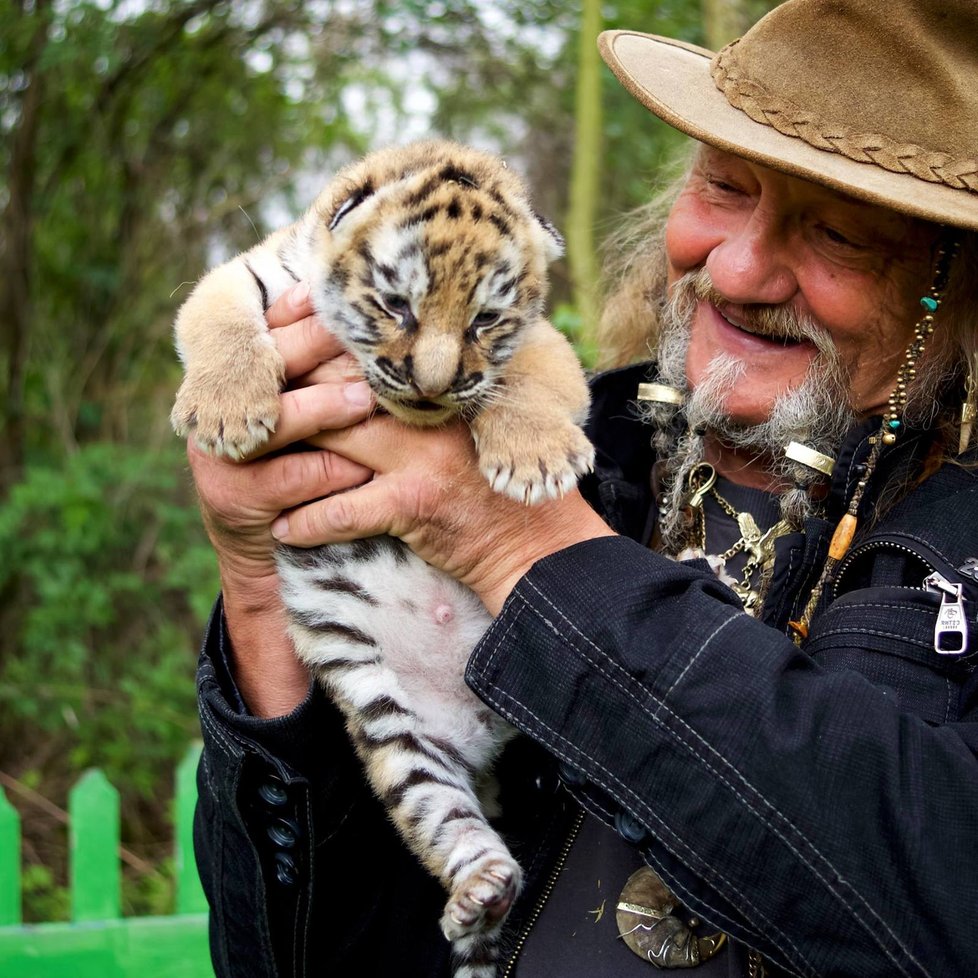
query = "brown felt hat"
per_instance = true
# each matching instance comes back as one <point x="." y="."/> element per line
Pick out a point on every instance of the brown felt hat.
<point x="875" y="98"/>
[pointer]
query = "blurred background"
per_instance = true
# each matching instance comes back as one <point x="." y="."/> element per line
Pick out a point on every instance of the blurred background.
<point x="140" y="143"/>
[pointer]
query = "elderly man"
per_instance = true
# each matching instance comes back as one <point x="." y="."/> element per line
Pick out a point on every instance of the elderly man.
<point x="787" y="761"/>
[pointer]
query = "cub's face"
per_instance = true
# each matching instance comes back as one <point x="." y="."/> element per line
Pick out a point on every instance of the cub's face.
<point x="430" y="283"/>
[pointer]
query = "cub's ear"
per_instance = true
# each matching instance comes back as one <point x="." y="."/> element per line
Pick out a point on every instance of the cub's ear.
<point x="553" y="240"/>
<point x="354" y="200"/>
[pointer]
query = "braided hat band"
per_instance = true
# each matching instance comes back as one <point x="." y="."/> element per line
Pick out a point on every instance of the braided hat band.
<point x="789" y="119"/>
<point x="877" y="99"/>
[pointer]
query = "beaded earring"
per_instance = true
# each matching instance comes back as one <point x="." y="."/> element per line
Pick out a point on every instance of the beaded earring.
<point x="890" y="430"/>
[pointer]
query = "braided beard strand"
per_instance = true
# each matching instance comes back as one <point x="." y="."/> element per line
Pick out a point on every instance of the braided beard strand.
<point x="817" y="413"/>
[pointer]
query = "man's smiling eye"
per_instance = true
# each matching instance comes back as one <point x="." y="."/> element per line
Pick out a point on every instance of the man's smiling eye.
<point x="396" y="304"/>
<point x="837" y="237"/>
<point x="485" y="318"/>
<point x="722" y="186"/>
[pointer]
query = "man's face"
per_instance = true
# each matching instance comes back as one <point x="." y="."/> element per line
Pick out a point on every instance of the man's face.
<point x="767" y="239"/>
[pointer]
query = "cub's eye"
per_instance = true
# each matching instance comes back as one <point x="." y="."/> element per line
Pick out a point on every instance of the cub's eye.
<point x="485" y="318"/>
<point x="396" y="304"/>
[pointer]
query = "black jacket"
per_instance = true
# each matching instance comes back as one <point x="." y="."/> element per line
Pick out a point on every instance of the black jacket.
<point x="817" y="803"/>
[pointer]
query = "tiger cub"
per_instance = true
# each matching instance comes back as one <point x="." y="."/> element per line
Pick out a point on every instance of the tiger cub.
<point x="429" y="263"/>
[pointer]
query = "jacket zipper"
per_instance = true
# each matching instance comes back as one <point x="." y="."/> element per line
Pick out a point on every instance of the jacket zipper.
<point x="545" y="895"/>
<point x="878" y="545"/>
<point x="951" y="629"/>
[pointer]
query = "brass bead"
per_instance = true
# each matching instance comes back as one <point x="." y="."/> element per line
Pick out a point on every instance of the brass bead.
<point x="889" y="438"/>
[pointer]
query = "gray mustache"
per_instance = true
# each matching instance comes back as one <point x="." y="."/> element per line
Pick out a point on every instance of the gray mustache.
<point x="776" y="321"/>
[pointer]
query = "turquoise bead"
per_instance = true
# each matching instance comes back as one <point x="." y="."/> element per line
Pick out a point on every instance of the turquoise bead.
<point x="928" y="303"/>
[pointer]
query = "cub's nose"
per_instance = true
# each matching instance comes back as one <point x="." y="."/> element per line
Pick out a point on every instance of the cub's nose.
<point x="434" y="365"/>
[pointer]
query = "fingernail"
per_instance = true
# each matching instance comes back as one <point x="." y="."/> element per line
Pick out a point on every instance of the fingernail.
<point x="280" y="528"/>
<point x="359" y="394"/>
<point x="300" y="294"/>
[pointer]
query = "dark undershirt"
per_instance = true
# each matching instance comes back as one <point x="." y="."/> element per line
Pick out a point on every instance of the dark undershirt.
<point x="576" y="934"/>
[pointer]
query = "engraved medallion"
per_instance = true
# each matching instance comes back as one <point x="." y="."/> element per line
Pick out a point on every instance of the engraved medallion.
<point x="648" y="926"/>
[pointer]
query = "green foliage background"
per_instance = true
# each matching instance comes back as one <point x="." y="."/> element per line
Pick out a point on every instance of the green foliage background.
<point x="139" y="143"/>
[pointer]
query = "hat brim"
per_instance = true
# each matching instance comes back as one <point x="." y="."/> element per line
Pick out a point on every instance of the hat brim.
<point x="672" y="79"/>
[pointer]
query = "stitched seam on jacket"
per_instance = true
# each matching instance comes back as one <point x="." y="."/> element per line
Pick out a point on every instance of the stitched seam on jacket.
<point x="685" y="853"/>
<point x="837" y="610"/>
<point x="212" y="727"/>
<point x="512" y="622"/>
<point x="740" y="777"/>
<point x="879" y="633"/>
<point x="716" y="631"/>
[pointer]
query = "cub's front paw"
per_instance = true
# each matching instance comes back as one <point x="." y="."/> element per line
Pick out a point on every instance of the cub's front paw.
<point x="536" y="464"/>
<point x="225" y="417"/>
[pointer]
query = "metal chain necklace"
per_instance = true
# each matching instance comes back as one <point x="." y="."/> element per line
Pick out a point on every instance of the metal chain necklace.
<point x="758" y="545"/>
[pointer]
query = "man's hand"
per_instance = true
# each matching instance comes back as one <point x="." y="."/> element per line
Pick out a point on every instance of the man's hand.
<point x="427" y="490"/>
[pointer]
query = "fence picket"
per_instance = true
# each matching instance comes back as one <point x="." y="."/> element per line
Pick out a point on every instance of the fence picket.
<point x="93" y="806"/>
<point x="99" y="942"/>
<point x="9" y="863"/>
<point x="190" y="894"/>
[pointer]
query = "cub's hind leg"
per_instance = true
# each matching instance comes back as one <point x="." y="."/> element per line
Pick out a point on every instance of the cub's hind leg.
<point x="389" y="636"/>
<point x="426" y="786"/>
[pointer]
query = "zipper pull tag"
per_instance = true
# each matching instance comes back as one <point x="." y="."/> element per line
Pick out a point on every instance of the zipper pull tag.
<point x="951" y="630"/>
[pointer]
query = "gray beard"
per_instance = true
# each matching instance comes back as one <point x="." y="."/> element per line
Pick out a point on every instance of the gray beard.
<point x="817" y="413"/>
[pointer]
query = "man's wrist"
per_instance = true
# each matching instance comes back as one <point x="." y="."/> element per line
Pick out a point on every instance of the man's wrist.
<point x="269" y="677"/>
<point x="566" y="529"/>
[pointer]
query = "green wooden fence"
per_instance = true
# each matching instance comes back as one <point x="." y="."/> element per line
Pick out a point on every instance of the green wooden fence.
<point x="99" y="942"/>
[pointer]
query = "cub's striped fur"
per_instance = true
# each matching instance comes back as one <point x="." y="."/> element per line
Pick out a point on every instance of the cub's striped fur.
<point x="429" y="263"/>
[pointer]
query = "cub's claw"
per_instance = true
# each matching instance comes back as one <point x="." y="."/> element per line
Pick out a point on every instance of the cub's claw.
<point x="547" y="470"/>
<point x="234" y="416"/>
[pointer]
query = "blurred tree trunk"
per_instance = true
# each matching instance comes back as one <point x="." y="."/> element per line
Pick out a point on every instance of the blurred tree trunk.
<point x="724" y="20"/>
<point x="16" y="251"/>
<point x="585" y="173"/>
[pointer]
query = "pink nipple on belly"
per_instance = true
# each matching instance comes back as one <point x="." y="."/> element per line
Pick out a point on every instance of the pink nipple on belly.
<point x="444" y="613"/>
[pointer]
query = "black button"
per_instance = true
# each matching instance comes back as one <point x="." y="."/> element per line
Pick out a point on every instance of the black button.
<point x="571" y="775"/>
<point x="546" y="783"/>
<point x="286" y="871"/>
<point x="272" y="790"/>
<point x="284" y="833"/>
<point x="630" y="829"/>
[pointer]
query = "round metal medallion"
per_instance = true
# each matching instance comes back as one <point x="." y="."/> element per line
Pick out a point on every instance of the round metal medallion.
<point x="647" y="925"/>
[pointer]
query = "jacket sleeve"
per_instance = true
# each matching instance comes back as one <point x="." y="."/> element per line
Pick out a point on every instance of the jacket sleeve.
<point x="797" y="808"/>
<point x="302" y="870"/>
